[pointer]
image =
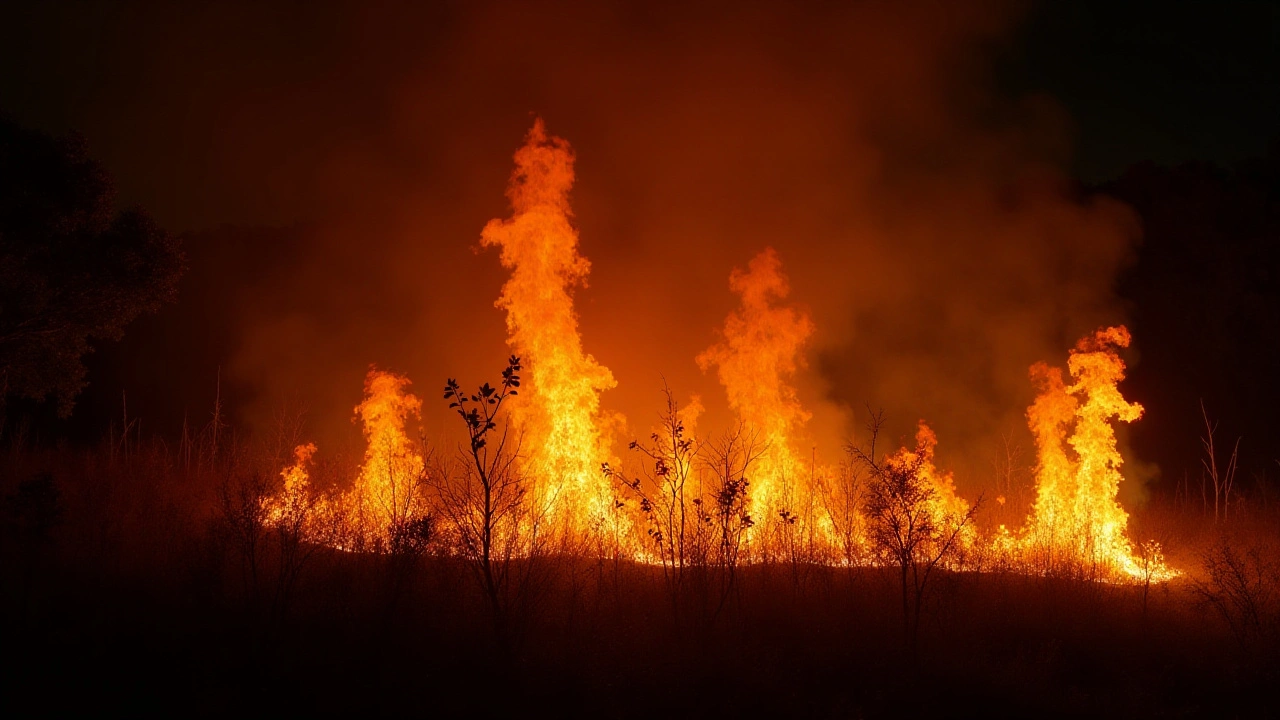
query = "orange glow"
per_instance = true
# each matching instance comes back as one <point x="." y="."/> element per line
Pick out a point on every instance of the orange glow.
<point x="291" y="505"/>
<point x="944" y="486"/>
<point x="388" y="493"/>
<point x="755" y="361"/>
<point x="793" y="506"/>
<point x="1076" y="521"/>
<point x="944" y="505"/>
<point x="558" y="410"/>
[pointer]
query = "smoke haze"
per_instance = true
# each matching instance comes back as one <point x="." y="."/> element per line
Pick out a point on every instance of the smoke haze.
<point x="923" y="217"/>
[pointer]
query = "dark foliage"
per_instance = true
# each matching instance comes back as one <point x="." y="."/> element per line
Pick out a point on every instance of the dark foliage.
<point x="906" y="531"/>
<point x="72" y="268"/>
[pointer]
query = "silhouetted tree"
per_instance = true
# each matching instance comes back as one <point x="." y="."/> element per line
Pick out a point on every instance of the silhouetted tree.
<point x="842" y="498"/>
<point x="729" y="460"/>
<point x="665" y="496"/>
<point x="1240" y="586"/>
<point x="1220" y="477"/>
<point x="244" y="523"/>
<point x="485" y="494"/>
<point x="72" y="268"/>
<point x="905" y="528"/>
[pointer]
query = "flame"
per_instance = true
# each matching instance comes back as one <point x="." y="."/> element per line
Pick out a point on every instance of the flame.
<point x="1075" y="522"/>
<point x="1076" y="518"/>
<point x="291" y="505"/>
<point x="388" y="491"/>
<point x="559" y="408"/>
<point x="944" y="507"/>
<point x="387" y="494"/>
<point x="755" y="361"/>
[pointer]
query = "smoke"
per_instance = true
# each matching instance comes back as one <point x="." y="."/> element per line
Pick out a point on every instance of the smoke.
<point x="921" y="214"/>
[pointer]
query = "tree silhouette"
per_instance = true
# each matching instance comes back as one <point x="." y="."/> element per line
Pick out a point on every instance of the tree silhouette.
<point x="72" y="269"/>
<point x="905" y="529"/>
<point x="485" y="494"/>
<point x="666" y="497"/>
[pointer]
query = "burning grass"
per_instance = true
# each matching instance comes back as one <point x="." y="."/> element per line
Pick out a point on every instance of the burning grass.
<point x="747" y="496"/>
<point x="537" y="558"/>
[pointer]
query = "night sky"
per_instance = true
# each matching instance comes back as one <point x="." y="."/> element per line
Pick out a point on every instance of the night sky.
<point x="1167" y="82"/>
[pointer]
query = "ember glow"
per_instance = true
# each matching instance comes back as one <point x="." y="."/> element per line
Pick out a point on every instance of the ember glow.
<point x="773" y="497"/>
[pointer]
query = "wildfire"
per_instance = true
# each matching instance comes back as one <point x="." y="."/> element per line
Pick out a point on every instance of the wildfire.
<point x="755" y="361"/>
<point x="1076" y="523"/>
<point x="1076" y="519"/>
<point x="290" y="506"/>
<point x="388" y="492"/>
<point x="559" y="408"/>
<point x="943" y="506"/>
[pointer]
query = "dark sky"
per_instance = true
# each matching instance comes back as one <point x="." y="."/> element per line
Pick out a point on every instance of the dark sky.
<point x="154" y="85"/>
<point x="917" y="165"/>
<point x="1168" y="82"/>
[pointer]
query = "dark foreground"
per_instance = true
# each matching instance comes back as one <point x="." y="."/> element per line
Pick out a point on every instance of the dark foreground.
<point x="129" y="593"/>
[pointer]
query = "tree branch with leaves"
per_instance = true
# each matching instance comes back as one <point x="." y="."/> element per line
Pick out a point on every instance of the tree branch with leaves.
<point x="485" y="493"/>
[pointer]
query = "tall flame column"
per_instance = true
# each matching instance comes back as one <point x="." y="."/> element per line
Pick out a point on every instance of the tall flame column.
<point x="559" y="408"/>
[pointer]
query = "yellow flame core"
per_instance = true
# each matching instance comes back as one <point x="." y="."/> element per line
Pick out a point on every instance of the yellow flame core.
<point x="291" y="504"/>
<point x="1076" y="521"/>
<point x="945" y="508"/>
<point x="558" y="410"/>
<point x="759" y="354"/>
<point x="1076" y="518"/>
<point x="388" y="492"/>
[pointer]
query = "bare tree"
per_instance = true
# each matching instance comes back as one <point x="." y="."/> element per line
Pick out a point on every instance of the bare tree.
<point x="392" y="519"/>
<point x="842" y="498"/>
<point x="1011" y="475"/>
<point x="1221" y="478"/>
<point x="1241" y="589"/>
<point x="906" y="528"/>
<point x="244" y="518"/>
<point x="292" y="525"/>
<point x="796" y="533"/>
<point x="288" y="422"/>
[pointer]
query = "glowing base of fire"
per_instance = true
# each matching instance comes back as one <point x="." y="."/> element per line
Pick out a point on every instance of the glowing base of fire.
<point x="1075" y="527"/>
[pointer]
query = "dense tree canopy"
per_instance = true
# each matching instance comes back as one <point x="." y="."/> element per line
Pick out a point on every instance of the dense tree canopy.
<point x="73" y="269"/>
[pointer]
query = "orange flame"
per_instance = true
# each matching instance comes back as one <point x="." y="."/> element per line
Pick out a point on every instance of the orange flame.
<point x="944" y="507"/>
<point x="559" y="407"/>
<point x="291" y="505"/>
<point x="388" y="492"/>
<point x="759" y="354"/>
<point x="1076" y="518"/>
